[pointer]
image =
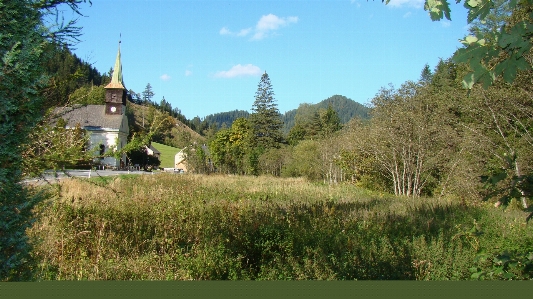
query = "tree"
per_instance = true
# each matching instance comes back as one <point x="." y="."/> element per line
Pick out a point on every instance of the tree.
<point x="88" y="95"/>
<point x="497" y="53"/>
<point x="329" y="122"/>
<point x="266" y="119"/>
<point x="22" y="78"/>
<point x="426" y="75"/>
<point x="148" y="94"/>
<point x="232" y="149"/>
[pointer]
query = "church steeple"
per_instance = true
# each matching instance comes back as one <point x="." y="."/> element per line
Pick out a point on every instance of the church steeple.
<point x="115" y="96"/>
<point x="116" y="79"/>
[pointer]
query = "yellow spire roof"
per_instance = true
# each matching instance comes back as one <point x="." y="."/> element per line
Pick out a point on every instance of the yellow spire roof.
<point x="116" y="79"/>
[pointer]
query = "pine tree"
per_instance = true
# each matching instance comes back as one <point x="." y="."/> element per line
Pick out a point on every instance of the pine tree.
<point x="22" y="80"/>
<point x="266" y="119"/>
<point x="148" y="94"/>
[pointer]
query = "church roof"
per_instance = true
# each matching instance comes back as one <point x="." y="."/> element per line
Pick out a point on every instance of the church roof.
<point x="90" y="117"/>
<point x="116" y="79"/>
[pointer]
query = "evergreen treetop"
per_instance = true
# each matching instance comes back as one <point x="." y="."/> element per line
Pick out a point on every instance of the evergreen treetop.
<point x="265" y="118"/>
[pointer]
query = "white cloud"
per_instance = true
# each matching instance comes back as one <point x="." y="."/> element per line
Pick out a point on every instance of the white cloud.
<point x="271" y="23"/>
<point x="266" y="26"/>
<point x="408" y="14"/>
<point x="188" y="73"/>
<point x="225" y="31"/>
<point x="239" y="71"/>
<point x="445" y="24"/>
<point x="244" y="32"/>
<point x="356" y="3"/>
<point x="165" y="77"/>
<point x="411" y="3"/>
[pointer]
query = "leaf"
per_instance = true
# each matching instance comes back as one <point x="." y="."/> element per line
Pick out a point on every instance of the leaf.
<point x="473" y="51"/>
<point x="480" y="11"/>
<point x="470" y="39"/>
<point x="468" y="81"/>
<point x="438" y="9"/>
<point x="473" y="3"/>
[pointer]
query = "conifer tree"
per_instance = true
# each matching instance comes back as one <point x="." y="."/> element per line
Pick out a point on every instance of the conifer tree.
<point x="265" y="118"/>
<point x="22" y="78"/>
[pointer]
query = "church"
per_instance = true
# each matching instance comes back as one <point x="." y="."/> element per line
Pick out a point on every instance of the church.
<point x="106" y="125"/>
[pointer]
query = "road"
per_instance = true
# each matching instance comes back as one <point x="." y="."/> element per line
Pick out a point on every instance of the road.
<point x="51" y="177"/>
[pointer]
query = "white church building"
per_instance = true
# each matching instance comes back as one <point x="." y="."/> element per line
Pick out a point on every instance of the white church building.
<point x="106" y="125"/>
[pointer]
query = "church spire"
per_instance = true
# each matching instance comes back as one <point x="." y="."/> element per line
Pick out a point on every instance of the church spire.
<point x="116" y="79"/>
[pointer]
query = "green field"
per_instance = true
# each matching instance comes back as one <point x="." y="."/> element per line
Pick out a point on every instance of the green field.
<point x="167" y="154"/>
<point x="183" y="227"/>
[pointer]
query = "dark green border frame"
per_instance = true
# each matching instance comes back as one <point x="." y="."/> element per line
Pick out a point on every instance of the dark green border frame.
<point x="267" y="289"/>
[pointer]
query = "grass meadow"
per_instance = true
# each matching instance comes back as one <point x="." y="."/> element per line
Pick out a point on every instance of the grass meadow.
<point x="193" y="227"/>
<point x="167" y="154"/>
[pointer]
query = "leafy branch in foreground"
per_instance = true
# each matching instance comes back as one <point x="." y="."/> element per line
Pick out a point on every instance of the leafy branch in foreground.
<point x="501" y="52"/>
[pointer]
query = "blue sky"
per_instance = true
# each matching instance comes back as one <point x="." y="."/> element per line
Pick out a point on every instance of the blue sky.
<point x="207" y="56"/>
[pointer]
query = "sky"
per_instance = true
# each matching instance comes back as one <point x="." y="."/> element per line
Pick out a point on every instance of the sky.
<point x="207" y="56"/>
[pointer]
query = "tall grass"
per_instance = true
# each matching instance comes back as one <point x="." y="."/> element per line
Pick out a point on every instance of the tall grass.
<point x="233" y="227"/>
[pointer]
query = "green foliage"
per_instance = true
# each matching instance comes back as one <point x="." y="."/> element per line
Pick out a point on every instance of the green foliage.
<point x="148" y="94"/>
<point x="313" y="124"/>
<point x="67" y="74"/>
<point x="305" y="161"/>
<point x="198" y="159"/>
<point x="226" y="228"/>
<point x="55" y="148"/>
<point x="227" y="118"/>
<point x="88" y="95"/>
<point x="233" y="149"/>
<point x="265" y="119"/>
<point x="23" y="45"/>
<point x="345" y="108"/>
<point x="496" y="53"/>
<point x="505" y="266"/>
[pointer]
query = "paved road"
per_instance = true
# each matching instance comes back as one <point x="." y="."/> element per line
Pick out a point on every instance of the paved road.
<point x="50" y="177"/>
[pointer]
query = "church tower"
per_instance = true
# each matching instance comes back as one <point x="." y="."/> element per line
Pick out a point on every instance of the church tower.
<point x="115" y="95"/>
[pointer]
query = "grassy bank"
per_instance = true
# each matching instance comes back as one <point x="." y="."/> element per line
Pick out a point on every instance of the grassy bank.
<point x="220" y="227"/>
<point x="167" y="154"/>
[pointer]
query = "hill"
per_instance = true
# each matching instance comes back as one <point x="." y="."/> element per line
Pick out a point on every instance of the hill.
<point x="178" y="135"/>
<point x="346" y="109"/>
<point x="225" y="118"/>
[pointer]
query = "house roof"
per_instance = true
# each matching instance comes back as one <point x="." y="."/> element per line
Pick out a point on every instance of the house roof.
<point x="116" y="79"/>
<point x="154" y="150"/>
<point x="89" y="117"/>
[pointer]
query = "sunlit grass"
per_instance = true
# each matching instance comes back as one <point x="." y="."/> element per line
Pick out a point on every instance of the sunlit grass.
<point x="167" y="154"/>
<point x="233" y="227"/>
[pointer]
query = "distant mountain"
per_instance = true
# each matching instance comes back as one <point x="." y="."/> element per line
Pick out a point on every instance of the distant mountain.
<point x="346" y="109"/>
<point x="226" y="118"/>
